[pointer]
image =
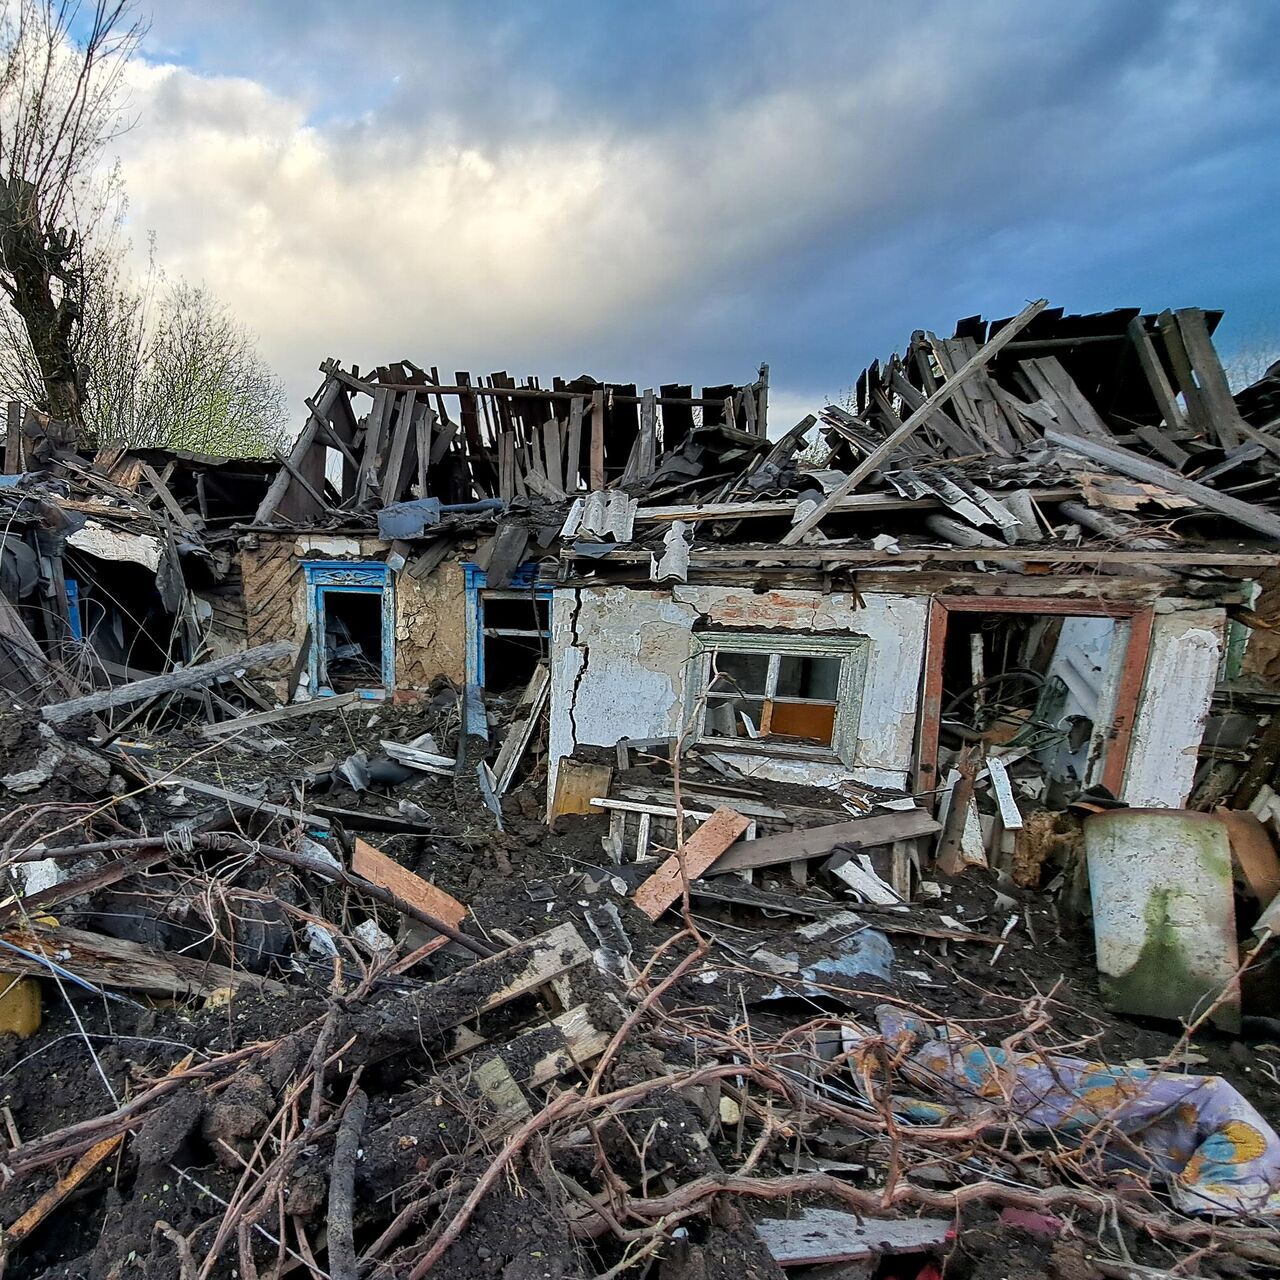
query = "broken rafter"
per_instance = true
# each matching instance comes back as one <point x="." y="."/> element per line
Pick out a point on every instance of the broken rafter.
<point x="184" y="678"/>
<point x="1139" y="468"/>
<point x="943" y="394"/>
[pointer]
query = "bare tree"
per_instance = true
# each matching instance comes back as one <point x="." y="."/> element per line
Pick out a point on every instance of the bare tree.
<point x="61" y="101"/>
<point x="1254" y="354"/>
<point x="205" y="386"/>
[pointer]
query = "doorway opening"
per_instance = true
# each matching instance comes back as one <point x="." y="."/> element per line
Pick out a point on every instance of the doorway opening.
<point x="1050" y="683"/>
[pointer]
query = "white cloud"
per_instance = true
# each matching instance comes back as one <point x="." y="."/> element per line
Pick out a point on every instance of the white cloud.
<point x="580" y="242"/>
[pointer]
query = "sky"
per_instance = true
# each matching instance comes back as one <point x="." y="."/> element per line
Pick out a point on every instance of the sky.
<point x="665" y="192"/>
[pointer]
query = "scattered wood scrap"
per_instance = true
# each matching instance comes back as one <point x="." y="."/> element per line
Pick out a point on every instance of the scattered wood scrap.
<point x="698" y="852"/>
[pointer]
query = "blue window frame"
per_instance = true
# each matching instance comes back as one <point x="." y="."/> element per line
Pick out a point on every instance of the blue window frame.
<point x="476" y="582"/>
<point x="328" y="577"/>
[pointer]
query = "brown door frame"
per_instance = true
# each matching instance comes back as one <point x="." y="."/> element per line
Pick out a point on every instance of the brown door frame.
<point x="1129" y="687"/>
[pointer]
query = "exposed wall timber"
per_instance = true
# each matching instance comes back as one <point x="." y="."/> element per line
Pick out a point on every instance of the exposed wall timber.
<point x="1186" y="648"/>
<point x="273" y="598"/>
<point x="430" y="614"/>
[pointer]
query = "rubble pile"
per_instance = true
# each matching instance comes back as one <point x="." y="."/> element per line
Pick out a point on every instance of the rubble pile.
<point x="571" y="832"/>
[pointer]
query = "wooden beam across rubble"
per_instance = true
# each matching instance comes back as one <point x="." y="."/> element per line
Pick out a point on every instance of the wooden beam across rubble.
<point x="830" y="556"/>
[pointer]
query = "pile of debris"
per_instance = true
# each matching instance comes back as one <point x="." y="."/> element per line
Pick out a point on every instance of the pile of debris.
<point x="563" y="831"/>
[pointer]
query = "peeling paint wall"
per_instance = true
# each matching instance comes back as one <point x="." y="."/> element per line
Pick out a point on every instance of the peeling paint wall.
<point x="620" y="657"/>
<point x="1186" y="648"/>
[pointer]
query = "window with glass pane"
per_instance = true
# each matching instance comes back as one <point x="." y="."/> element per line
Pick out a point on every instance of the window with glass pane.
<point x="779" y="692"/>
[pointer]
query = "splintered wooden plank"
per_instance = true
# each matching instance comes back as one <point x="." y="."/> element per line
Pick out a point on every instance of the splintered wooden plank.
<point x="1055" y="383"/>
<point x="512" y="973"/>
<point x="1163" y="394"/>
<point x="918" y="417"/>
<point x="1140" y="468"/>
<point x="392" y="478"/>
<point x="51" y="1199"/>
<point x="573" y="446"/>
<point x="701" y="849"/>
<point x="551" y="450"/>
<point x="829" y="1235"/>
<point x="866" y="833"/>
<point x="374" y="865"/>
<point x="1179" y="361"/>
<point x="1215" y="391"/>
<point x="597" y="440"/>
<point x="116" y="962"/>
<point x="521" y="730"/>
<point x="293" y="711"/>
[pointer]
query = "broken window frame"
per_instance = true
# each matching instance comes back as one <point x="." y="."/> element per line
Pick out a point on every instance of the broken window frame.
<point x="369" y="577"/>
<point x="852" y="651"/>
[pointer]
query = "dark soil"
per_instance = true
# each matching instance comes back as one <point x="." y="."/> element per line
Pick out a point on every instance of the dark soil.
<point x="425" y="1108"/>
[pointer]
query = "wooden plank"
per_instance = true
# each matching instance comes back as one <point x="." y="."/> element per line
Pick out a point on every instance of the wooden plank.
<point x="1215" y="390"/>
<point x="700" y="850"/>
<point x="65" y="1185"/>
<point x="573" y="446"/>
<point x="875" y="829"/>
<point x="782" y="507"/>
<point x="578" y="785"/>
<point x="819" y="1236"/>
<point x="918" y="417"/>
<point x="186" y="678"/>
<point x="508" y="975"/>
<point x="809" y="556"/>
<point x="326" y="399"/>
<point x="237" y="800"/>
<point x="1137" y="467"/>
<point x="1197" y="413"/>
<point x="1055" y="383"/>
<point x="170" y="503"/>
<point x="307" y="487"/>
<point x="863" y="880"/>
<point x="374" y="865"/>
<point x="294" y="711"/>
<point x="523" y="723"/>
<point x="1153" y="371"/>
<point x="597" y="441"/>
<point x="1010" y="815"/>
<point x="424" y="428"/>
<point x="129" y="966"/>
<point x="551" y="451"/>
<point x="404" y="433"/>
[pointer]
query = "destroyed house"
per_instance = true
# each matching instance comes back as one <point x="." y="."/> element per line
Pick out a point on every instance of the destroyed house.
<point x="1023" y="531"/>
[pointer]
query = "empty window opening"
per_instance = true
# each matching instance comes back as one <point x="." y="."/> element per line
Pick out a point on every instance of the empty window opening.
<point x="516" y="631"/>
<point x="122" y="618"/>
<point x="798" y="694"/>
<point x="353" y="653"/>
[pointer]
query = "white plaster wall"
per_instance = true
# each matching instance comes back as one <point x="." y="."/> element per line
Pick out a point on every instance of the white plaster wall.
<point x="1186" y="648"/>
<point x="620" y="656"/>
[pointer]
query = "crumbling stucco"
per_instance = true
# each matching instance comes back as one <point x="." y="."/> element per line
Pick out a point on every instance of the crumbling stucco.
<point x="430" y="614"/>
<point x="621" y="657"/>
<point x="431" y="626"/>
<point x="1186" y="648"/>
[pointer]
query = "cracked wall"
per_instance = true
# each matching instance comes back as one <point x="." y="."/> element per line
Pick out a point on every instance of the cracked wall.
<point x="620" y="656"/>
<point x="431" y="627"/>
